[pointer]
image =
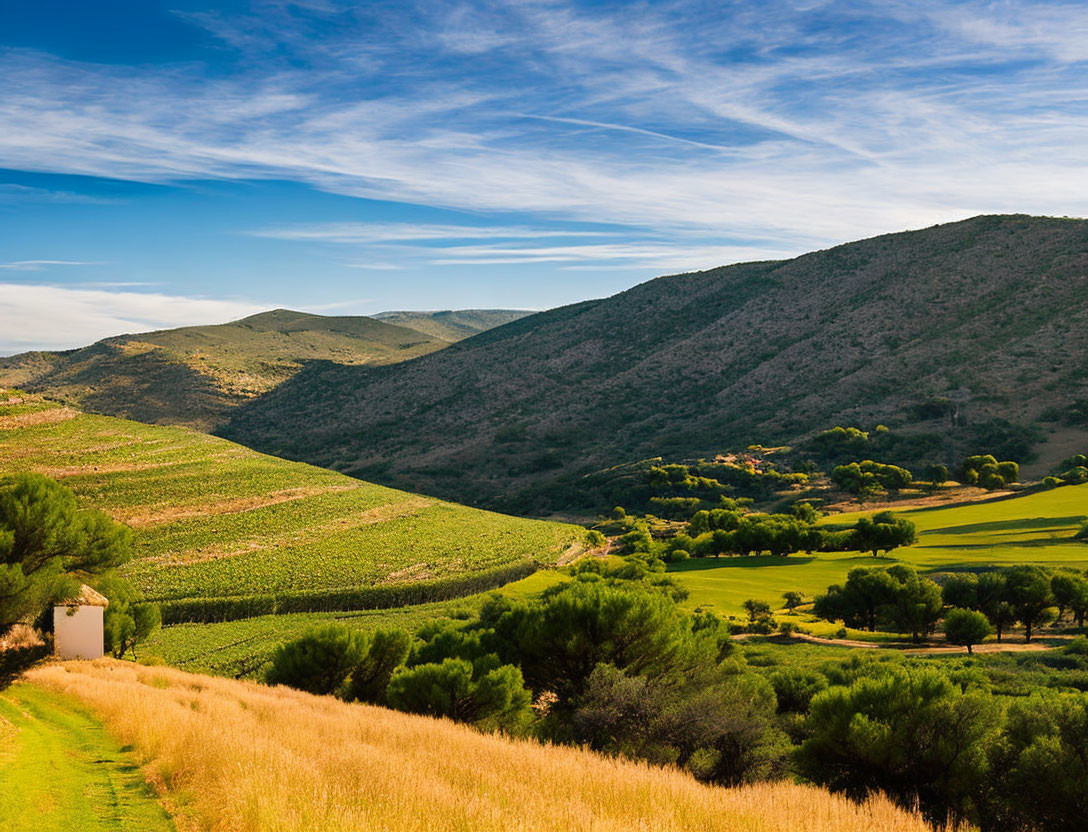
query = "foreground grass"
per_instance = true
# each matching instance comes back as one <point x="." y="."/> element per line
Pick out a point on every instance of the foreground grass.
<point x="59" y="769"/>
<point x="238" y="756"/>
<point x="1036" y="528"/>
<point x="214" y="519"/>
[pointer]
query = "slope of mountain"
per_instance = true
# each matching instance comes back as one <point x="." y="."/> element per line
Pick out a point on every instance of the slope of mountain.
<point x="990" y="314"/>
<point x="229" y="753"/>
<point x="453" y="325"/>
<point x="214" y="520"/>
<point x="193" y="376"/>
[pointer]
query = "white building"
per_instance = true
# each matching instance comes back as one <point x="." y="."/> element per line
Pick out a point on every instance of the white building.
<point x="77" y="625"/>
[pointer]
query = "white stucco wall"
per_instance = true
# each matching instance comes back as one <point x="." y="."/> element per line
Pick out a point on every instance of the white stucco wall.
<point x="78" y="636"/>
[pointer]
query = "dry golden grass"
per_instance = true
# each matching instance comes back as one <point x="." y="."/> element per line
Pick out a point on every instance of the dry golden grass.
<point x="232" y="755"/>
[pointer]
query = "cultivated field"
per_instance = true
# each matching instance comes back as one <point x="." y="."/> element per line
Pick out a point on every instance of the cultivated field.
<point x="214" y="519"/>
<point x="1036" y="528"/>
<point x="237" y="756"/>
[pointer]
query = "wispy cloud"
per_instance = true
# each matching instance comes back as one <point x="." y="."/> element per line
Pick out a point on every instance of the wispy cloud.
<point x="39" y="265"/>
<point x="12" y="193"/>
<point x="355" y="233"/>
<point x="53" y="317"/>
<point x="801" y="123"/>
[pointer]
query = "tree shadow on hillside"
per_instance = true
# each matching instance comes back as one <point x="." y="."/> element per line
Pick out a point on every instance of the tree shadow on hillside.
<point x="699" y="564"/>
<point x="1001" y="525"/>
<point x="14" y="663"/>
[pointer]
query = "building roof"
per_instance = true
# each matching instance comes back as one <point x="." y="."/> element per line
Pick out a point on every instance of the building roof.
<point x="86" y="597"/>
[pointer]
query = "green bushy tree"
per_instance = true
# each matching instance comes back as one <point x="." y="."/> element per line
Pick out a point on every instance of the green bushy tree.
<point x="1027" y="590"/>
<point x="966" y="628"/>
<point x="912" y="734"/>
<point x="127" y="624"/>
<point x="454" y="688"/>
<point x="384" y="652"/>
<point x="48" y="546"/>
<point x="318" y="662"/>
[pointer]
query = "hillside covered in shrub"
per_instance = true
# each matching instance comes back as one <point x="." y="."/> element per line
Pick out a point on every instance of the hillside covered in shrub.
<point x="959" y="333"/>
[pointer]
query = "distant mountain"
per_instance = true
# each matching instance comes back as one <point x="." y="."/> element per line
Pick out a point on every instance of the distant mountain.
<point x="195" y="375"/>
<point x="939" y="331"/>
<point x="453" y="325"/>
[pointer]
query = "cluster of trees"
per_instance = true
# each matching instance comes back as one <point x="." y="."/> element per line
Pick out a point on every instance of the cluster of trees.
<point x="675" y="490"/>
<point x="738" y="532"/>
<point x="615" y="665"/>
<point x="944" y="742"/>
<point x="1074" y="471"/>
<point x="49" y="546"/>
<point x="1030" y="595"/>
<point x="972" y="606"/>
<point x="986" y="472"/>
<point x="864" y="478"/>
<point x="610" y="664"/>
<point x="896" y="595"/>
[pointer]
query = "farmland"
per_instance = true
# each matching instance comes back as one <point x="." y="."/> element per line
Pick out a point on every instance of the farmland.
<point x="1034" y="528"/>
<point x="213" y="519"/>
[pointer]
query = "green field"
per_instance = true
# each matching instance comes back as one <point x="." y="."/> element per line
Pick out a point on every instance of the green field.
<point x="214" y="519"/>
<point x="1035" y="528"/>
<point x="61" y="770"/>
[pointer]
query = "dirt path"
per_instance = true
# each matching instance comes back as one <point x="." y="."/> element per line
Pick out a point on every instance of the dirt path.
<point x="61" y="770"/>
<point x="927" y="649"/>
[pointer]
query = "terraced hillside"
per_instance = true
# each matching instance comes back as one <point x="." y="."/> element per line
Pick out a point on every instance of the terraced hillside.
<point x="194" y="375"/>
<point x="215" y="520"/>
<point x="940" y="331"/>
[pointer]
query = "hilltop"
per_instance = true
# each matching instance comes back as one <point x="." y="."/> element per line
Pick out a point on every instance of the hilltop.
<point x="225" y="755"/>
<point x="193" y="376"/>
<point x="965" y="331"/>
<point x="223" y="531"/>
<point x="453" y="325"/>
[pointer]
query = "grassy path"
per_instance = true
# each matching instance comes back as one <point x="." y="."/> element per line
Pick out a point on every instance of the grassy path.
<point x="60" y="770"/>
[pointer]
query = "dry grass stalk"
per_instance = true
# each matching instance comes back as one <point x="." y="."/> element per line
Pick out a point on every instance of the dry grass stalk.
<point x="239" y="756"/>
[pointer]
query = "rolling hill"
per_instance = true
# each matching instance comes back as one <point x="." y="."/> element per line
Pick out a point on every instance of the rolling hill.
<point x="223" y="531"/>
<point x="194" y="376"/>
<point x="968" y="331"/>
<point x="453" y="325"/>
<point x="226" y="755"/>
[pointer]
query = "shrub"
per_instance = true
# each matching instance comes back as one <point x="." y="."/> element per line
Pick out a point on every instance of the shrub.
<point x="208" y="610"/>
<point x="48" y="545"/>
<point x="493" y="700"/>
<point x="318" y="662"/>
<point x="912" y="734"/>
<point x="125" y="625"/>
<point x="966" y="628"/>
<point x="385" y="652"/>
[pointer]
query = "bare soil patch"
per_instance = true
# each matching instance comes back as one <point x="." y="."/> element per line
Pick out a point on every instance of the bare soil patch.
<point x="37" y="417"/>
<point x="143" y="516"/>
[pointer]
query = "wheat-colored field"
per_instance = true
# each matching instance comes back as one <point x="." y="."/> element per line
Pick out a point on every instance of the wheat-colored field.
<point x="230" y="755"/>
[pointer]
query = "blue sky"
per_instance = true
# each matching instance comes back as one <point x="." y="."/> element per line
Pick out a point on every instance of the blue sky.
<point x="164" y="163"/>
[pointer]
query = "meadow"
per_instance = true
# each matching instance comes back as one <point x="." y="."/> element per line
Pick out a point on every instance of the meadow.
<point x="225" y="755"/>
<point x="1033" y="528"/>
<point x="213" y="519"/>
<point x="62" y="770"/>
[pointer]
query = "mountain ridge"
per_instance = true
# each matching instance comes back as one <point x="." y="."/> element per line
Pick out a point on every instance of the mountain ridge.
<point x="987" y="313"/>
<point x="194" y="375"/>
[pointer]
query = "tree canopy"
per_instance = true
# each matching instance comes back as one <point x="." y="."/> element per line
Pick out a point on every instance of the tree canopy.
<point x="48" y="545"/>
